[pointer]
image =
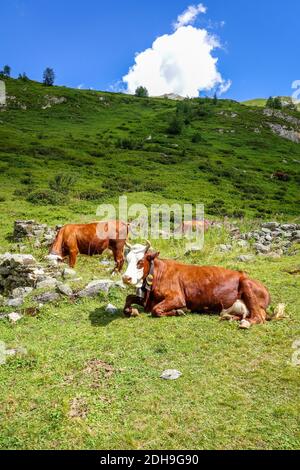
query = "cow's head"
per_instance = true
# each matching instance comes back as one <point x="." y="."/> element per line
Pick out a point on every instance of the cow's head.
<point x="139" y="261"/>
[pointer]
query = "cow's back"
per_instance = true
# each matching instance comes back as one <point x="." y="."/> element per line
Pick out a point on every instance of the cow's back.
<point x="94" y="238"/>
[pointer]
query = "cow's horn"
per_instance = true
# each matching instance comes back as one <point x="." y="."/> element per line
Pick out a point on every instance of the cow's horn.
<point x="148" y="245"/>
<point x="128" y="245"/>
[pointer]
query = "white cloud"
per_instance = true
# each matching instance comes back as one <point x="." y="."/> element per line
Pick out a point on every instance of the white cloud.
<point x="189" y="15"/>
<point x="181" y="62"/>
<point x="116" y="87"/>
<point x="224" y="86"/>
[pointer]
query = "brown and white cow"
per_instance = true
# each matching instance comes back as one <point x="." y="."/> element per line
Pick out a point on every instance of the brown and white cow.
<point x="168" y="288"/>
<point x="90" y="239"/>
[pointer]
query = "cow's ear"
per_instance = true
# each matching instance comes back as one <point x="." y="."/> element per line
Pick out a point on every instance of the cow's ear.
<point x="152" y="256"/>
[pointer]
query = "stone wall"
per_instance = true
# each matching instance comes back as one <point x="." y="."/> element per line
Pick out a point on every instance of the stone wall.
<point x="20" y="271"/>
<point x="30" y="229"/>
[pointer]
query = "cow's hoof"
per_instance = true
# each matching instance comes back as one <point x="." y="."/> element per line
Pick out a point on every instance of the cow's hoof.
<point x="128" y="312"/>
<point x="135" y="313"/>
<point x="245" y="325"/>
<point x="180" y="313"/>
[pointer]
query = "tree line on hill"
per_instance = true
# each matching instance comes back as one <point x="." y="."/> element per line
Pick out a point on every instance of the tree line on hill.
<point x="277" y="103"/>
<point x="142" y="92"/>
<point x="48" y="75"/>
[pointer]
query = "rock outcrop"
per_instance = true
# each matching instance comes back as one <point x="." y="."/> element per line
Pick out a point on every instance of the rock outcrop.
<point x="272" y="238"/>
<point x="30" y="229"/>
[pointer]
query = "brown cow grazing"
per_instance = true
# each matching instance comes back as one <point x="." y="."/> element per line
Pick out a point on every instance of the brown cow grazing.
<point x="281" y="176"/>
<point x="91" y="239"/>
<point x="166" y="288"/>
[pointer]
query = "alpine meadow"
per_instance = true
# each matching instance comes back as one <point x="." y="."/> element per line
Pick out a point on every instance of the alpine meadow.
<point x="80" y="375"/>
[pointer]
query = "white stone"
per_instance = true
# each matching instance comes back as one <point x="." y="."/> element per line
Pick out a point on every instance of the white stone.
<point x="262" y="248"/>
<point x="111" y="309"/>
<point x="21" y="292"/>
<point x="46" y="283"/>
<point x="246" y="258"/>
<point x="17" y="302"/>
<point x="69" y="273"/>
<point x="171" y="374"/>
<point x="64" y="289"/>
<point x="95" y="287"/>
<point x="14" y="317"/>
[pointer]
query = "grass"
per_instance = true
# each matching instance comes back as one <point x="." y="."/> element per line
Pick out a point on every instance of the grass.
<point x="260" y="102"/>
<point x="238" y="389"/>
<point x="90" y="379"/>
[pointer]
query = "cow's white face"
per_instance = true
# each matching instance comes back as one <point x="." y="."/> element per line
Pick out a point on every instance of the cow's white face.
<point x="134" y="276"/>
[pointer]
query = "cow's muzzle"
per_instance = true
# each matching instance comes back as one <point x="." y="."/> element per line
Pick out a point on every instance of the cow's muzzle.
<point x="127" y="280"/>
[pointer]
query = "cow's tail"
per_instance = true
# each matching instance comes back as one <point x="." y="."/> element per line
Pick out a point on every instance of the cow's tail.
<point x="278" y="314"/>
<point x="57" y="247"/>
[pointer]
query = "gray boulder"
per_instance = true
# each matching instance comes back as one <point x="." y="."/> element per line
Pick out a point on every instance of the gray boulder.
<point x="48" y="282"/>
<point x="246" y="258"/>
<point x="95" y="287"/>
<point x="17" y="302"/>
<point x="225" y="248"/>
<point x="271" y="226"/>
<point x="47" y="297"/>
<point x="296" y="235"/>
<point x="15" y="260"/>
<point x="64" y="289"/>
<point x="260" y="248"/>
<point x="120" y="285"/>
<point x="288" y="227"/>
<point x="69" y="273"/>
<point x="21" y="292"/>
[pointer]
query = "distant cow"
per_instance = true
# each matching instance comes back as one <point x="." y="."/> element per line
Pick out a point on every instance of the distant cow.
<point x="91" y="239"/>
<point x="167" y="288"/>
<point x="281" y="176"/>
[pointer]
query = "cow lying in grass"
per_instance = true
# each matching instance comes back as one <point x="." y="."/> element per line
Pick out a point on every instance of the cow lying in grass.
<point x="91" y="239"/>
<point x="167" y="288"/>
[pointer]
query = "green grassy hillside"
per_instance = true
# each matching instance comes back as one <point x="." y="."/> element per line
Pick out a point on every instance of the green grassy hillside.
<point x="224" y="157"/>
<point x="260" y="102"/>
<point x="90" y="379"/>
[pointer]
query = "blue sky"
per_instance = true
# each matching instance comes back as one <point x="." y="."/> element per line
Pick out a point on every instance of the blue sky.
<point x="94" y="42"/>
